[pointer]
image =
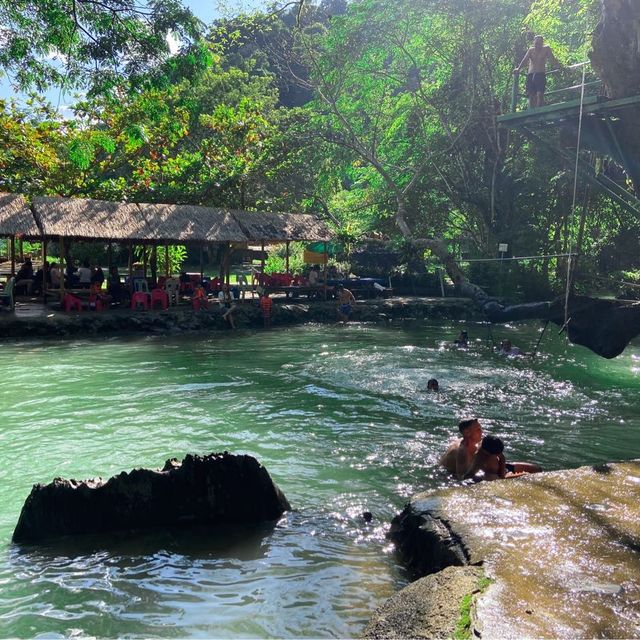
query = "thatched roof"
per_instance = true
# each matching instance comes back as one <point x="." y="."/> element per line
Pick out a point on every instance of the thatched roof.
<point x="85" y="219"/>
<point x="181" y="223"/>
<point x="278" y="227"/>
<point x="90" y="219"/>
<point x="16" y="218"/>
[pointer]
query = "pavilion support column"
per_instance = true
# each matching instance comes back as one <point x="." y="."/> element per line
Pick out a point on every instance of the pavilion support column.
<point x="63" y="270"/>
<point x="131" y="264"/>
<point x="44" y="270"/>
<point x="21" y="250"/>
<point x="166" y="260"/>
<point x="153" y="264"/>
<point x="12" y="249"/>
<point x="324" y="273"/>
<point x="287" y="256"/>
<point x="109" y="257"/>
<point x="262" y="264"/>
<point x="201" y="264"/>
<point x="144" y="261"/>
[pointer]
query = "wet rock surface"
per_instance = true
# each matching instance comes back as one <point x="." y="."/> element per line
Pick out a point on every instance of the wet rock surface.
<point x="563" y="549"/>
<point x="215" y="489"/>
<point x="183" y="319"/>
<point x="428" y="608"/>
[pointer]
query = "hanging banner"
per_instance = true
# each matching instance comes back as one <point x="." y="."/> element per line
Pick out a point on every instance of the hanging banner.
<point x="311" y="257"/>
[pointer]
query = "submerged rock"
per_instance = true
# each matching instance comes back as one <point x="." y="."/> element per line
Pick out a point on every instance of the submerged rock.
<point x="216" y="489"/>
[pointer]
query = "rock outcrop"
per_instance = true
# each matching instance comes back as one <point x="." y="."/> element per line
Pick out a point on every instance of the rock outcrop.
<point x="201" y="490"/>
<point x="561" y="550"/>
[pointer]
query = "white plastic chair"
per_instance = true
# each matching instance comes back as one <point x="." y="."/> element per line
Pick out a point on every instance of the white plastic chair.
<point x="6" y="295"/>
<point x="172" y="287"/>
<point x="140" y="284"/>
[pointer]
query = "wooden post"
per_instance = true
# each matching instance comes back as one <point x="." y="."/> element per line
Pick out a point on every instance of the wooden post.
<point x="131" y="265"/>
<point x="44" y="271"/>
<point x="514" y="91"/>
<point x="12" y="242"/>
<point x="166" y="260"/>
<point x="109" y="257"/>
<point x="262" y="263"/>
<point x="144" y="261"/>
<point x="21" y="250"/>
<point x="287" y="257"/>
<point x="63" y="269"/>
<point x="201" y="264"/>
<point x="153" y="264"/>
<point x="324" y="274"/>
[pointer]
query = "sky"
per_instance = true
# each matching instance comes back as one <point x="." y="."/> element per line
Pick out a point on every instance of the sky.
<point x="206" y="10"/>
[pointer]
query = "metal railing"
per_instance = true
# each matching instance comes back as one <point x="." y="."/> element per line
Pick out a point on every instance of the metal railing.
<point x="592" y="85"/>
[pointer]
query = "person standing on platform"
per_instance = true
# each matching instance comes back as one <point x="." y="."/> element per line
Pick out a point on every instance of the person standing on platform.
<point x="537" y="57"/>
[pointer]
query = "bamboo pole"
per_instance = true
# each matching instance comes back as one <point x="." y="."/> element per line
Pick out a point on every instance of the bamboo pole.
<point x="12" y="242"/>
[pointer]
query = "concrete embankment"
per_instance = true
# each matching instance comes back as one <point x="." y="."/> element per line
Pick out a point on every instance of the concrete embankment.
<point x="37" y="321"/>
<point x="544" y="556"/>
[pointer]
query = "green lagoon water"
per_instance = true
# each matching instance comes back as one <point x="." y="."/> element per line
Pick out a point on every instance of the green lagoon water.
<point x="340" y="418"/>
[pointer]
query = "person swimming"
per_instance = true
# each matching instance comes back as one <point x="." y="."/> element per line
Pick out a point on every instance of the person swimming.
<point x="462" y="340"/>
<point x="490" y="460"/>
<point x="459" y="456"/>
<point x="432" y="385"/>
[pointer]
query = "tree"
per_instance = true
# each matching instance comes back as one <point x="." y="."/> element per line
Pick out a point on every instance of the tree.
<point x="88" y="43"/>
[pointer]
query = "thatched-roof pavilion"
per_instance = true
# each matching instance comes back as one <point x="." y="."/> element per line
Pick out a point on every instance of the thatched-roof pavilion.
<point x="281" y="227"/>
<point x="16" y="218"/>
<point x="180" y="223"/>
<point x="83" y="219"/>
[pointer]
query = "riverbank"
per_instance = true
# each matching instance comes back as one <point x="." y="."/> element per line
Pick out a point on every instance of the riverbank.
<point x="31" y="320"/>
<point x="549" y="555"/>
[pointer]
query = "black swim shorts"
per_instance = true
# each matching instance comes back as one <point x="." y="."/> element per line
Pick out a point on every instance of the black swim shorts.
<point x="509" y="468"/>
<point x="536" y="83"/>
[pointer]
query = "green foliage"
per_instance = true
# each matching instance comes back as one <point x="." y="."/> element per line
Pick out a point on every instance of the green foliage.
<point x="88" y="43"/>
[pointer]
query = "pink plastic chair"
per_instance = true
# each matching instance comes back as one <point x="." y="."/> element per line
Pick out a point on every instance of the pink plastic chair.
<point x="97" y="302"/>
<point x="158" y="295"/>
<point x="140" y="299"/>
<point x="71" y="302"/>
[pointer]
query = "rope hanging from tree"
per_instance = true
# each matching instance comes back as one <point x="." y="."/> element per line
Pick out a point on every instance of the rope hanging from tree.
<point x="573" y="203"/>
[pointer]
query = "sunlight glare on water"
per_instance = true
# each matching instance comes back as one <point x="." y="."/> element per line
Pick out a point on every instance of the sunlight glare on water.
<point x="342" y="421"/>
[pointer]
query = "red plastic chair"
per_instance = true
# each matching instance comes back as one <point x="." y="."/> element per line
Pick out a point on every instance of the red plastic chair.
<point x="159" y="295"/>
<point x="140" y="299"/>
<point x="97" y="302"/>
<point x="71" y="302"/>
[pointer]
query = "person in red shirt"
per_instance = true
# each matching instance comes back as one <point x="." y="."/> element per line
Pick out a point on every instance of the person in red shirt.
<point x="266" y="303"/>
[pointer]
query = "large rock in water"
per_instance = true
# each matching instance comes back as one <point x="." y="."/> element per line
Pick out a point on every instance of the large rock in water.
<point x="215" y="489"/>
<point x="562" y="551"/>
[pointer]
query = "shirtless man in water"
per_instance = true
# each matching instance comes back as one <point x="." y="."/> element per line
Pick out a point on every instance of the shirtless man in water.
<point x="537" y="57"/>
<point x="458" y="458"/>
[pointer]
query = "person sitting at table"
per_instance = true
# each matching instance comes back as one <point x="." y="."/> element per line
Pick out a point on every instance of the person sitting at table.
<point x="84" y="275"/>
<point x="117" y="292"/>
<point x="333" y="273"/>
<point x="314" y="276"/>
<point x="24" y="277"/>
<point x="227" y="306"/>
<point x="43" y="273"/>
<point x="97" y="276"/>
<point x="56" y="275"/>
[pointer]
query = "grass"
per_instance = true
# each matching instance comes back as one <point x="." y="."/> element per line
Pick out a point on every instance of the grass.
<point x="463" y="627"/>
